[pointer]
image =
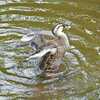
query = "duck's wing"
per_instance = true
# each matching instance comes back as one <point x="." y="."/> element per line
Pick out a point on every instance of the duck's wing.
<point x="43" y="52"/>
<point x="26" y="38"/>
<point x="33" y="34"/>
<point x="44" y="32"/>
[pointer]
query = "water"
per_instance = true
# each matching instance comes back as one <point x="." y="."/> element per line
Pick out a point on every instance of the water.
<point x="20" y="80"/>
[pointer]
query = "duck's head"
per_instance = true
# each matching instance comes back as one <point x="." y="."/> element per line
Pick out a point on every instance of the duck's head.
<point x="58" y="32"/>
<point x="58" y="29"/>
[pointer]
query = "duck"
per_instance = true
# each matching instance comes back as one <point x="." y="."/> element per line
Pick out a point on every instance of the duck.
<point x="52" y="51"/>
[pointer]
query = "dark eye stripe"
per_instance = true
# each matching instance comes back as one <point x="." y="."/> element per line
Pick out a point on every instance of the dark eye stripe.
<point x="56" y="28"/>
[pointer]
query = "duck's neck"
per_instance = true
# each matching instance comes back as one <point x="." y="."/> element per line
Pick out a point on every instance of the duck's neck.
<point x="65" y="40"/>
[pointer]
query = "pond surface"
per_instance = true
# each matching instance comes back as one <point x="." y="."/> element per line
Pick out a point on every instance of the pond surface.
<point x="20" y="79"/>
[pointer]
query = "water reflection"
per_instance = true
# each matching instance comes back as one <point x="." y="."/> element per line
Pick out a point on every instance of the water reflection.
<point x="21" y="79"/>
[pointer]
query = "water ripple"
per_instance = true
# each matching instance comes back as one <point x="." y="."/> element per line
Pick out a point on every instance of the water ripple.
<point x="21" y="79"/>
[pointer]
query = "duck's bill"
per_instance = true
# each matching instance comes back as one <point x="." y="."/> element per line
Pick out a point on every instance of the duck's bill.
<point x="26" y="38"/>
<point x="67" y="24"/>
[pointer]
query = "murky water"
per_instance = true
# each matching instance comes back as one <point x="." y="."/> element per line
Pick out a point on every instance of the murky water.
<point x="20" y="79"/>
